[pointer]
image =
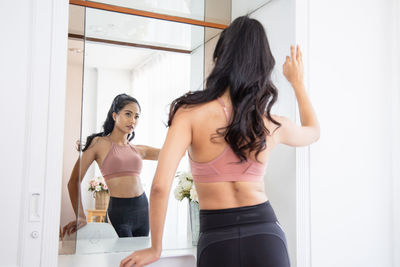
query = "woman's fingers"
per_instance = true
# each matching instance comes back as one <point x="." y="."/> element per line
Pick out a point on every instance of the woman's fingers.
<point x="127" y="262"/>
<point x="298" y="53"/>
<point x="70" y="229"/>
<point x="292" y="52"/>
<point x="130" y="263"/>
<point x="66" y="229"/>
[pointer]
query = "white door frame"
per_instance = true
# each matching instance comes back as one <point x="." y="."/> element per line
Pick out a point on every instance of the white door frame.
<point x="303" y="204"/>
<point x="395" y="138"/>
<point x="40" y="209"/>
<point x="55" y="139"/>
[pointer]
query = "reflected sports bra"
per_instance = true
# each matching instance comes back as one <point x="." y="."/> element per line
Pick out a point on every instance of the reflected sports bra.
<point x="225" y="167"/>
<point x="121" y="161"/>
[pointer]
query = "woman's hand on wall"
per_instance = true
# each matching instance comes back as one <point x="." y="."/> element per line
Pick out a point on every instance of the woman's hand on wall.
<point x="293" y="68"/>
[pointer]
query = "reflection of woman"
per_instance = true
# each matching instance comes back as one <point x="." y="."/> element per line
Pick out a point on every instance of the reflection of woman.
<point x="230" y="134"/>
<point x="120" y="164"/>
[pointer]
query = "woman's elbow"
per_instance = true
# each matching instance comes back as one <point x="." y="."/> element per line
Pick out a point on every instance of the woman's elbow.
<point x="158" y="189"/>
<point x="156" y="154"/>
<point x="72" y="184"/>
<point x="316" y="134"/>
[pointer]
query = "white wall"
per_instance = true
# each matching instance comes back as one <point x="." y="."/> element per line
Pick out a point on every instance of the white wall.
<point x="89" y="126"/>
<point x="396" y="140"/>
<point x="351" y="83"/>
<point x="32" y="84"/>
<point x="278" y="19"/>
<point x="72" y="129"/>
<point x="13" y="98"/>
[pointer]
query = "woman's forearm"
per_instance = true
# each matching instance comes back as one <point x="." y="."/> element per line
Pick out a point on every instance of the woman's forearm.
<point x="152" y="153"/>
<point x="73" y="191"/>
<point x="158" y="210"/>
<point x="306" y="111"/>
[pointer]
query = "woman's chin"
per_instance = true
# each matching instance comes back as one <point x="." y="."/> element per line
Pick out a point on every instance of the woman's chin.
<point x="128" y="130"/>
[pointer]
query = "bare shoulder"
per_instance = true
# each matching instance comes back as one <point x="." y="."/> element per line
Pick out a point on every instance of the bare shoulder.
<point x="185" y="114"/>
<point x="99" y="143"/>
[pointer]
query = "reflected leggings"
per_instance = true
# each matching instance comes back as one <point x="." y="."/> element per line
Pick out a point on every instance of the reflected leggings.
<point x="248" y="236"/>
<point x="129" y="216"/>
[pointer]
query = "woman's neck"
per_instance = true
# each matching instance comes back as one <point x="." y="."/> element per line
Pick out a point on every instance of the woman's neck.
<point x="226" y="98"/>
<point x="118" y="137"/>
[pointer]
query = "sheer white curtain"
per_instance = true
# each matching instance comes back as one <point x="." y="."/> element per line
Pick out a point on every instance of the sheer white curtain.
<point x="156" y="82"/>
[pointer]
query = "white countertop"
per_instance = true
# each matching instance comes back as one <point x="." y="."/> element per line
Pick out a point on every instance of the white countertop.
<point x="173" y="258"/>
<point x="100" y="252"/>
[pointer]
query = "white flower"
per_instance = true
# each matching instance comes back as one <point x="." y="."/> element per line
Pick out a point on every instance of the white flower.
<point x="186" y="185"/>
<point x="98" y="188"/>
<point x="189" y="176"/>
<point x="178" y="193"/>
<point x="184" y="176"/>
<point x="193" y="194"/>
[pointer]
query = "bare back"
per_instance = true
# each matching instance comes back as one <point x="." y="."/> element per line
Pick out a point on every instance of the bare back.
<point x="205" y="120"/>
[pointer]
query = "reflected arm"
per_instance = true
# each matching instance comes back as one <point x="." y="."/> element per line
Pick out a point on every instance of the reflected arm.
<point x="73" y="190"/>
<point x="75" y="180"/>
<point x="148" y="152"/>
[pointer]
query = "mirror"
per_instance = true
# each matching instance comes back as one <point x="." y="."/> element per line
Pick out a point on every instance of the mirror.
<point x="203" y="10"/>
<point x="155" y="61"/>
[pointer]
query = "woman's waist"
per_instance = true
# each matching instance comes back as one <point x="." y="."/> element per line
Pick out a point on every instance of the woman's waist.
<point x="113" y="175"/>
<point x="125" y="186"/>
<point x="128" y="202"/>
<point x="230" y="195"/>
<point x="222" y="218"/>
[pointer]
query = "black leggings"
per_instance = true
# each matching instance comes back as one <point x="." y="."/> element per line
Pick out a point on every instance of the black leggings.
<point x="129" y="216"/>
<point x="248" y="236"/>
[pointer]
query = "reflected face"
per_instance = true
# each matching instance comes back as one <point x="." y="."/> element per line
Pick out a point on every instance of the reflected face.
<point x="127" y="119"/>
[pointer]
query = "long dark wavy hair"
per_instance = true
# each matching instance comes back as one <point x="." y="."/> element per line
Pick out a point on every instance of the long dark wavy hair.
<point x="243" y="64"/>
<point x="119" y="102"/>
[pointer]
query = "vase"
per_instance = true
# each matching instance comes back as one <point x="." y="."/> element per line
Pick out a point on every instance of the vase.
<point x="102" y="199"/>
<point x="194" y="212"/>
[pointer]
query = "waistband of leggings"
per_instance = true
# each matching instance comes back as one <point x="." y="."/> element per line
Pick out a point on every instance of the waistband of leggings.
<point x="213" y="219"/>
<point x="130" y="201"/>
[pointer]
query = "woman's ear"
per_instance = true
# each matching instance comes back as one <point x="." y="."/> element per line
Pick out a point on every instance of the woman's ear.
<point x="114" y="115"/>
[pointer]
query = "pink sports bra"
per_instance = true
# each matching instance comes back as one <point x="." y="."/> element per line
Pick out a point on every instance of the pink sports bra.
<point x="225" y="168"/>
<point x="121" y="161"/>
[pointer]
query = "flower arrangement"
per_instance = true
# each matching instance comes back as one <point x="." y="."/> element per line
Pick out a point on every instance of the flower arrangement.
<point x="97" y="184"/>
<point x="185" y="187"/>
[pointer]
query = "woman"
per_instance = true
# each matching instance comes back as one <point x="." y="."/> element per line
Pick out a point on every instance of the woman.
<point x="230" y="134"/>
<point x="120" y="164"/>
